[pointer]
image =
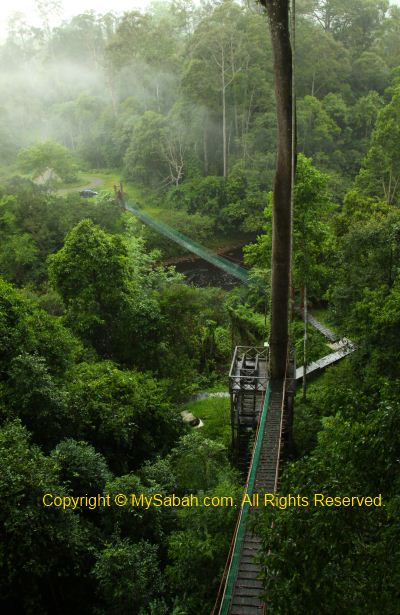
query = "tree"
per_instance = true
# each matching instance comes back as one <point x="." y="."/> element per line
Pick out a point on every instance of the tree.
<point x="323" y="62"/>
<point x="198" y="463"/>
<point x="19" y="256"/>
<point x="105" y="302"/>
<point x="199" y="547"/>
<point x="380" y="175"/>
<point x="145" y="160"/>
<point x="128" y="576"/>
<point x="190" y="349"/>
<point x="24" y="328"/>
<point x="313" y="236"/>
<point x="389" y="43"/>
<point x="81" y="468"/>
<point x="41" y="547"/>
<point x="216" y="64"/>
<point x="46" y="10"/>
<point x="37" y="399"/>
<point x="367" y="252"/>
<point x="34" y="223"/>
<point x="370" y="72"/>
<point x="124" y="414"/>
<point x="365" y="112"/>
<point x="281" y="240"/>
<point x="45" y="156"/>
<point x="355" y="23"/>
<point x="318" y="132"/>
<point x="334" y="554"/>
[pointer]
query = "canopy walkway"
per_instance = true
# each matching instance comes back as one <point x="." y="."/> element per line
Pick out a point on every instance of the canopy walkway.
<point x="185" y="242"/>
<point x="256" y="404"/>
<point x="317" y="366"/>
<point x="241" y="587"/>
<point x="341" y="347"/>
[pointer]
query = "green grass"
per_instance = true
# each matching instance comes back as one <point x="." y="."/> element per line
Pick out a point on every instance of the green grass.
<point x="151" y="204"/>
<point x="215" y="413"/>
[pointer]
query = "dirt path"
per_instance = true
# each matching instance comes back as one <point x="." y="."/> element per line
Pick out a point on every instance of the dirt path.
<point x="93" y="182"/>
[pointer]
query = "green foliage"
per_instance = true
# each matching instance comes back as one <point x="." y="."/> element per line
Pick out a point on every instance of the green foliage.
<point x="152" y="523"/>
<point x="334" y="555"/>
<point x="316" y="343"/>
<point x="318" y="131"/>
<point x="143" y="161"/>
<point x="312" y="233"/>
<point x="380" y="175"/>
<point x="231" y="203"/>
<point x="81" y="469"/>
<point x="193" y="345"/>
<point x="40" y="546"/>
<point x="19" y="256"/>
<point x="198" y="463"/>
<point x="34" y="223"/>
<point x="367" y="253"/>
<point x="375" y="321"/>
<point x="127" y="576"/>
<point x="197" y="226"/>
<point x="332" y="392"/>
<point x="159" y="472"/>
<point x="125" y="415"/>
<point x="39" y="159"/>
<point x="36" y="398"/>
<point x="24" y="328"/>
<point x="104" y="306"/>
<point x="198" y="549"/>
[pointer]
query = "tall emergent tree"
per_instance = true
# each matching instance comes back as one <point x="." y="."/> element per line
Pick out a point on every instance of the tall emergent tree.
<point x="278" y="12"/>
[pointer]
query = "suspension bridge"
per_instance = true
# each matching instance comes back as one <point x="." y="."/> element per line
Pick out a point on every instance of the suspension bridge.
<point x="189" y="244"/>
<point x="261" y="410"/>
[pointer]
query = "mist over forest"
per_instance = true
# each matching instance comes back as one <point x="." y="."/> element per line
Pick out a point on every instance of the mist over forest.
<point x="98" y="82"/>
<point x="115" y="342"/>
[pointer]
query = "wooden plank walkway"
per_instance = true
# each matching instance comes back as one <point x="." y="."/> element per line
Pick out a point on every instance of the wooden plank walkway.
<point x="244" y="597"/>
<point x="326" y="332"/>
<point x="316" y="366"/>
<point x="343" y="347"/>
<point x="247" y="588"/>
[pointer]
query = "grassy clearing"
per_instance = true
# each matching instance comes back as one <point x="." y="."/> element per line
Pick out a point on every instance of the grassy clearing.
<point x="215" y="413"/>
<point x="151" y="204"/>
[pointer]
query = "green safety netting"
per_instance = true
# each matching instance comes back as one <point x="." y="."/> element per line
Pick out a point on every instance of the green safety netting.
<point x="241" y="528"/>
<point x="218" y="261"/>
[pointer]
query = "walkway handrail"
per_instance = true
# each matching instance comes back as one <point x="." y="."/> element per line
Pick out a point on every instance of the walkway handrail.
<point x="244" y="512"/>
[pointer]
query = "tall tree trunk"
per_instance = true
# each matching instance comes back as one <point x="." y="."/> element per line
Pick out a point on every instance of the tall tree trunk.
<point x="235" y="106"/>
<point x="278" y="11"/>
<point x="205" y="149"/>
<point x="224" y="136"/>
